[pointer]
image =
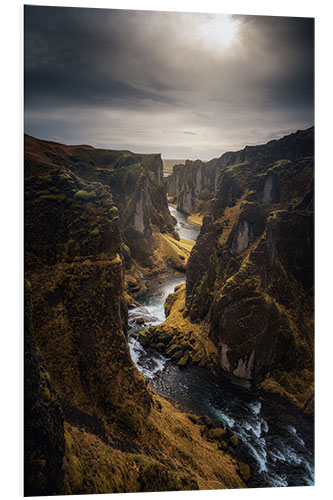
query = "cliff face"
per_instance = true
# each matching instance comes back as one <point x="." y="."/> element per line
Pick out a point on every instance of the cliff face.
<point x="132" y="182"/>
<point x="192" y="185"/>
<point x="44" y="445"/>
<point x="250" y="273"/>
<point x="92" y="217"/>
<point x="73" y="260"/>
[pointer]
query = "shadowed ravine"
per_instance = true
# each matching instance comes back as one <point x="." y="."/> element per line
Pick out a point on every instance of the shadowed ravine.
<point x="277" y="444"/>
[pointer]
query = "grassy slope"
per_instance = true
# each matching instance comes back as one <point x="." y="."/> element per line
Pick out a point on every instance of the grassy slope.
<point x="179" y="458"/>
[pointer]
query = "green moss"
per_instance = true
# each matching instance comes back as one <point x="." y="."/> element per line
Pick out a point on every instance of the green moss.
<point x="194" y="418"/>
<point x="85" y="195"/>
<point x="278" y="166"/>
<point x="113" y="210"/>
<point x="46" y="394"/>
<point x="244" y="471"/>
<point x="237" y="166"/>
<point x="218" y="434"/>
<point x="234" y="440"/>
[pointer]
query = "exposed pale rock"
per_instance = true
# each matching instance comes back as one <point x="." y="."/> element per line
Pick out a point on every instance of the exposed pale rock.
<point x="267" y="194"/>
<point x="242" y="238"/>
<point x="138" y="216"/>
<point x="224" y="358"/>
<point x="244" y="367"/>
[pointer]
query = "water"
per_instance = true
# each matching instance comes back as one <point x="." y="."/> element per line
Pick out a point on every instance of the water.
<point x="186" y="229"/>
<point x="278" y="446"/>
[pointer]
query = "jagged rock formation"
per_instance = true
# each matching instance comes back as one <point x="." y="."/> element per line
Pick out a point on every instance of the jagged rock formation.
<point x="194" y="184"/>
<point x="91" y="216"/>
<point x="250" y="273"/>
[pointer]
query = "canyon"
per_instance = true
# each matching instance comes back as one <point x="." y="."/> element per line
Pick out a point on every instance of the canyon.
<point x="99" y="235"/>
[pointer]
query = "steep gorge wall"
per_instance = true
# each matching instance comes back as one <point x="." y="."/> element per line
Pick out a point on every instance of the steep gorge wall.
<point x="44" y="445"/>
<point x="90" y="217"/>
<point x="196" y="182"/>
<point x="82" y="175"/>
<point x="73" y="261"/>
<point x="250" y="274"/>
<point x="74" y="264"/>
<point x="191" y="182"/>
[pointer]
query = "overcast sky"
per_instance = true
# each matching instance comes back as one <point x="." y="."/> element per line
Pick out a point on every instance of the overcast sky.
<point x="185" y="85"/>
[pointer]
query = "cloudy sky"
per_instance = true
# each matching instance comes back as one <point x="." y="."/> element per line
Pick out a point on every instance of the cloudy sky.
<point x="186" y="85"/>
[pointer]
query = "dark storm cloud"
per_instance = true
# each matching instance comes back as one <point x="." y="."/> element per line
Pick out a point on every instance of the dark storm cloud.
<point x="73" y="56"/>
<point x="154" y="81"/>
<point x="289" y="44"/>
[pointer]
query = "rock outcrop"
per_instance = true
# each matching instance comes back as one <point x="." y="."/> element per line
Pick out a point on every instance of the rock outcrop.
<point x="194" y="184"/>
<point x="250" y="273"/>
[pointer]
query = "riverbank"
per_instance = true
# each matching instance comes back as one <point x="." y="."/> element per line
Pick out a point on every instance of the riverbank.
<point x="170" y="256"/>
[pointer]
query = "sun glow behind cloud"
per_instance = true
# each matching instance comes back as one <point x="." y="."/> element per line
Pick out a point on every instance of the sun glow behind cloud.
<point x="186" y="85"/>
<point x="219" y="31"/>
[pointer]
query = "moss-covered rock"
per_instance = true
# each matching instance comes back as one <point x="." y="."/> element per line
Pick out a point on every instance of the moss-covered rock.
<point x="218" y="433"/>
<point x="250" y="273"/>
<point x="233" y="440"/>
<point x="244" y="471"/>
<point x="85" y="195"/>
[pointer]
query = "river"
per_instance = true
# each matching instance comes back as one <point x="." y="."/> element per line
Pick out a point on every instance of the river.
<point x="277" y="444"/>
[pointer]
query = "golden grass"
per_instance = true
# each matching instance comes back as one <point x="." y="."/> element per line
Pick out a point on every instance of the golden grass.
<point x="176" y="449"/>
<point x="197" y="332"/>
<point x="195" y="219"/>
<point x="182" y="440"/>
<point x="171" y="251"/>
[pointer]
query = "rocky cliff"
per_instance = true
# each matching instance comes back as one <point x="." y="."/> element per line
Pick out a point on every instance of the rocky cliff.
<point x="44" y="445"/>
<point x="92" y="220"/>
<point x="194" y="184"/>
<point x="249" y="285"/>
<point x="73" y="261"/>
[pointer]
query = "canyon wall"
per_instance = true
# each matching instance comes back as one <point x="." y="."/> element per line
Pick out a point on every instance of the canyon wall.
<point x="249" y="286"/>
<point x="195" y="183"/>
<point x="250" y="274"/>
<point x="74" y="266"/>
<point x="93" y="219"/>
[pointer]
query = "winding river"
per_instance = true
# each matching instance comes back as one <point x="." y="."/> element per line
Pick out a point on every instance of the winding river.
<point x="277" y="444"/>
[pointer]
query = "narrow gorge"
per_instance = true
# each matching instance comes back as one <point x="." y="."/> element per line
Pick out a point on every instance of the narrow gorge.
<point x="168" y="320"/>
